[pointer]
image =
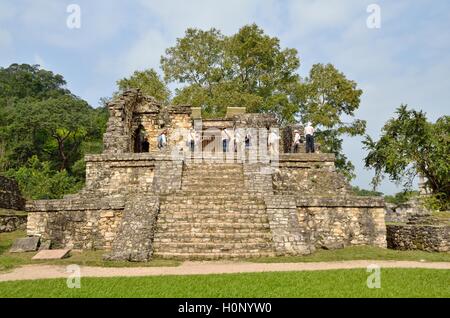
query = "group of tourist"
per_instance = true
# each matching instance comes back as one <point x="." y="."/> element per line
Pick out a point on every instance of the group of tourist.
<point x="309" y="137"/>
<point x="237" y="139"/>
<point x="234" y="137"/>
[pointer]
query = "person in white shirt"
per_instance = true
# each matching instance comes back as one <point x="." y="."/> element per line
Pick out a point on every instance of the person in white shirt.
<point x="296" y="140"/>
<point x="309" y="134"/>
<point x="237" y="140"/>
<point x="225" y="139"/>
<point x="272" y="141"/>
<point x="162" y="140"/>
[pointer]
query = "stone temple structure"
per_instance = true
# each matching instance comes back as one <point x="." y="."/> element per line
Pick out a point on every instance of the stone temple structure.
<point x="141" y="202"/>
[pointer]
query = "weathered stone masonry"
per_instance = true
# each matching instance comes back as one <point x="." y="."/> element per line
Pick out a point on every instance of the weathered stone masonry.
<point x="10" y="197"/>
<point x="139" y="205"/>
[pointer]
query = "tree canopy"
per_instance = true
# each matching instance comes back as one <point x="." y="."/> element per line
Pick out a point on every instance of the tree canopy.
<point x="149" y="82"/>
<point x="247" y="69"/>
<point x="250" y="69"/>
<point x="410" y="145"/>
<point x="324" y="98"/>
<point x="45" y="128"/>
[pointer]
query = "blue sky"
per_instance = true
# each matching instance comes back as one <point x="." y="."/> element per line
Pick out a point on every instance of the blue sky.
<point x="407" y="60"/>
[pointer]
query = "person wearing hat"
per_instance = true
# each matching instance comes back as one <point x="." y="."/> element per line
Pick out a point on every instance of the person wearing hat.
<point x="296" y="142"/>
<point x="309" y="134"/>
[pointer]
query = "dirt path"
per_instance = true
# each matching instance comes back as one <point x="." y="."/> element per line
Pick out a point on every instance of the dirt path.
<point x="201" y="268"/>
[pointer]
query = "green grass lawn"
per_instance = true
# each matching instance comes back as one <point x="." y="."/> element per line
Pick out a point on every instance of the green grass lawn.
<point x="332" y="283"/>
<point x="95" y="258"/>
<point x="359" y="253"/>
<point x="88" y="258"/>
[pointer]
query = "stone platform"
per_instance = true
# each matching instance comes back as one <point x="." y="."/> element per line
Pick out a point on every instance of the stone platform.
<point x="175" y="204"/>
<point x="206" y="209"/>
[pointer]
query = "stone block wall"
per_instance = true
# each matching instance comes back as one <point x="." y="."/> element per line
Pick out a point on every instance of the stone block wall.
<point x="10" y="197"/>
<point x="168" y="174"/>
<point x="78" y="224"/>
<point x="338" y="222"/>
<point x="11" y="223"/>
<point x="431" y="238"/>
<point x="309" y="174"/>
<point x="119" y="173"/>
<point x="289" y="236"/>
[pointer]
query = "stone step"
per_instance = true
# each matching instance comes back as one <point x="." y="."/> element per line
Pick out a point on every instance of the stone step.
<point x="211" y="178"/>
<point x="209" y="189"/>
<point x="204" y="173"/>
<point x="212" y="166"/>
<point x="213" y="205"/>
<point x="188" y="213"/>
<point x="190" y="197"/>
<point x="213" y="237"/>
<point x="217" y="227"/>
<point x="213" y="256"/>
<point x="211" y="247"/>
<point x="236" y="195"/>
<point x="212" y="218"/>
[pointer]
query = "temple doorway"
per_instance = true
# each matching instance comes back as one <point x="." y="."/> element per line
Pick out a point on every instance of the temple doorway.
<point x="141" y="143"/>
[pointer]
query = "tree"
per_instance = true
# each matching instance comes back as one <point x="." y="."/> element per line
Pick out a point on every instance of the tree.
<point x="37" y="180"/>
<point x="23" y="80"/>
<point x="51" y="128"/>
<point x="324" y="98"/>
<point x="38" y="116"/>
<point x="149" y="82"/>
<point x="410" y="145"/>
<point x="247" y="69"/>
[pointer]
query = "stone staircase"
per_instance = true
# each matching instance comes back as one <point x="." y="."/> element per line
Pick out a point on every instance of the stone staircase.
<point x="213" y="217"/>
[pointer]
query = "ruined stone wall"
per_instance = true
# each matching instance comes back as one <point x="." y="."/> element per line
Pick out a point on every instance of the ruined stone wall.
<point x="338" y="222"/>
<point x="120" y="173"/>
<point x="431" y="238"/>
<point x="11" y="222"/>
<point x="79" y="224"/>
<point x="91" y="218"/>
<point x="117" y="136"/>
<point x="155" y="123"/>
<point x="134" y="239"/>
<point x="10" y="197"/>
<point x="309" y="174"/>
<point x="130" y="110"/>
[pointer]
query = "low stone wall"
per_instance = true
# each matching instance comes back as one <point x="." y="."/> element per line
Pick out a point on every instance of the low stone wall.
<point x="132" y="173"/>
<point x="11" y="223"/>
<point x="431" y="238"/>
<point x="76" y="223"/>
<point x="10" y="197"/>
<point x="338" y="222"/>
<point x="309" y="174"/>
